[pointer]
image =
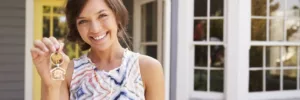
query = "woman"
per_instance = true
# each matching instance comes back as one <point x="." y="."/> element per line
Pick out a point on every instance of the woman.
<point x="108" y="71"/>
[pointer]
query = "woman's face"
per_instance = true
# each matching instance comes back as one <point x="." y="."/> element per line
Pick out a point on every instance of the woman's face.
<point x="97" y="25"/>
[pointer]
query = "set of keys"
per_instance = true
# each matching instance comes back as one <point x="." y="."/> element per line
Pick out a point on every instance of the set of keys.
<point x="57" y="72"/>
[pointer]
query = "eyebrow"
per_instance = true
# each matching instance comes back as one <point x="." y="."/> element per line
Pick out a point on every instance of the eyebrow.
<point x="99" y="12"/>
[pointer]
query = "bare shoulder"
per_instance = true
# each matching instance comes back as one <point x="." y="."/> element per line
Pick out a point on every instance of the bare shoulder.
<point x="150" y="69"/>
<point x="153" y="77"/>
<point x="149" y="63"/>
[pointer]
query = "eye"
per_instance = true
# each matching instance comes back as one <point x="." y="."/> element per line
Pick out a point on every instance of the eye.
<point x="102" y="15"/>
<point x="82" y="22"/>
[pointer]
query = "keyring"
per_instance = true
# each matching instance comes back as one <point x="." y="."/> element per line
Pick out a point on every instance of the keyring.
<point x="57" y="73"/>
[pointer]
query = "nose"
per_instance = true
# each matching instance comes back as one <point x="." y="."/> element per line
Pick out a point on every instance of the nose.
<point x="95" y="26"/>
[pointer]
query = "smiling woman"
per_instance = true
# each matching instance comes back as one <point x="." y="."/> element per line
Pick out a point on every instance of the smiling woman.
<point x="107" y="71"/>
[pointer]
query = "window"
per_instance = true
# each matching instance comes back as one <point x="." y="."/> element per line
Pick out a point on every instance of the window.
<point x="208" y="42"/>
<point x="274" y="54"/>
<point x="54" y="24"/>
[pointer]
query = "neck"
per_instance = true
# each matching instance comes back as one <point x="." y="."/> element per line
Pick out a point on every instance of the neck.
<point x="108" y="56"/>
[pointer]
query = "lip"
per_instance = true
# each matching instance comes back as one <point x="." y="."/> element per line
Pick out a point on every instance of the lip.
<point x="99" y="38"/>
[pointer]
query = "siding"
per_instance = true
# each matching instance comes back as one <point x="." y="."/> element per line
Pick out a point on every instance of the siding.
<point x="12" y="42"/>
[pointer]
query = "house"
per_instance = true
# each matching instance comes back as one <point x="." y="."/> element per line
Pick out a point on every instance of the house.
<point x="210" y="49"/>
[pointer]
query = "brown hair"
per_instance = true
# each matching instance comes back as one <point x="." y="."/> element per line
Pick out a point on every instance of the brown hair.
<point x="73" y="10"/>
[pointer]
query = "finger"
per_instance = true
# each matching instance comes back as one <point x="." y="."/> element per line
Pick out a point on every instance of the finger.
<point x="35" y="52"/>
<point x="49" y="44"/>
<point x="55" y="42"/>
<point x="39" y="44"/>
<point x="61" y="47"/>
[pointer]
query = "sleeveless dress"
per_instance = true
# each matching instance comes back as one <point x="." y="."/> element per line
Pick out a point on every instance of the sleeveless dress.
<point x="122" y="83"/>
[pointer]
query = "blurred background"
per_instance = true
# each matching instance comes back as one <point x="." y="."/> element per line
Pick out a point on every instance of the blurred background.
<point x="155" y="30"/>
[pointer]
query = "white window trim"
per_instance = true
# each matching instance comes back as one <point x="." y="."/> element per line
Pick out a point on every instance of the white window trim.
<point x="238" y="29"/>
<point x="28" y="44"/>
<point x="184" y="49"/>
<point x="287" y="94"/>
<point x="167" y="45"/>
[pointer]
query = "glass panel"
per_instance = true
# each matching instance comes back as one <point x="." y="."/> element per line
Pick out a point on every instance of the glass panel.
<point x="46" y="9"/>
<point x="272" y="80"/>
<point x="277" y="8"/>
<point x="293" y="30"/>
<point x="201" y="56"/>
<point x="217" y="56"/>
<point x="151" y="51"/>
<point x="200" y="8"/>
<point x="290" y="79"/>
<point x="216" y="30"/>
<point x="276" y="30"/>
<point x="293" y="8"/>
<point x="290" y="56"/>
<point x="256" y="56"/>
<point x="59" y="27"/>
<point x="256" y="81"/>
<point x="273" y="56"/>
<point x="259" y="7"/>
<point x="217" y="80"/>
<point x="200" y="80"/>
<point x="200" y="30"/>
<point x="46" y="26"/>
<point x="149" y="22"/>
<point x="258" y="30"/>
<point x="217" y="7"/>
<point x="58" y="10"/>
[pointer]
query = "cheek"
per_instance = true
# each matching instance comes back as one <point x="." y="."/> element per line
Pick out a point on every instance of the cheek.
<point x="82" y="31"/>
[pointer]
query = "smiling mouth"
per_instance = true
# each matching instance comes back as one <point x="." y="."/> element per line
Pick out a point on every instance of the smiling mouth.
<point x="99" y="37"/>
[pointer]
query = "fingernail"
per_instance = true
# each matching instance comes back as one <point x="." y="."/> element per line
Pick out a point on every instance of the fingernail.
<point x="57" y="46"/>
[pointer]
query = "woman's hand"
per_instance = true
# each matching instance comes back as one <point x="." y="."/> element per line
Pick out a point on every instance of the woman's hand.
<point x="41" y="52"/>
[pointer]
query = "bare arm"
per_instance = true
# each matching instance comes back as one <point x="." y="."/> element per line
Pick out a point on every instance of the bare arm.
<point x="152" y="75"/>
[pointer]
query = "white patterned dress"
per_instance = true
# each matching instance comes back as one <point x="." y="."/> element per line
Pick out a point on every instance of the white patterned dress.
<point x="122" y="83"/>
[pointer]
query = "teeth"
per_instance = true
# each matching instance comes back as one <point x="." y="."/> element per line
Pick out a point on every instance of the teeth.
<point x="99" y="37"/>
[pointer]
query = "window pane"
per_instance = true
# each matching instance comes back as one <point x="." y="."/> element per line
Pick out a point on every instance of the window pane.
<point x="258" y="30"/>
<point x="46" y="26"/>
<point x="149" y="22"/>
<point x="259" y="7"/>
<point x="293" y="8"/>
<point x="200" y="8"/>
<point x="217" y="56"/>
<point x="200" y="30"/>
<point x="277" y="8"/>
<point x="273" y="56"/>
<point x="256" y="81"/>
<point x="58" y="10"/>
<point x="290" y="54"/>
<point x="201" y="56"/>
<point x="217" y="7"/>
<point x="276" y="30"/>
<point x="272" y="80"/>
<point x="216" y="30"/>
<point x="217" y="80"/>
<point x="59" y="27"/>
<point x="293" y="30"/>
<point x="151" y="51"/>
<point x="256" y="56"/>
<point x="200" y="80"/>
<point x="46" y="9"/>
<point x="290" y="79"/>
